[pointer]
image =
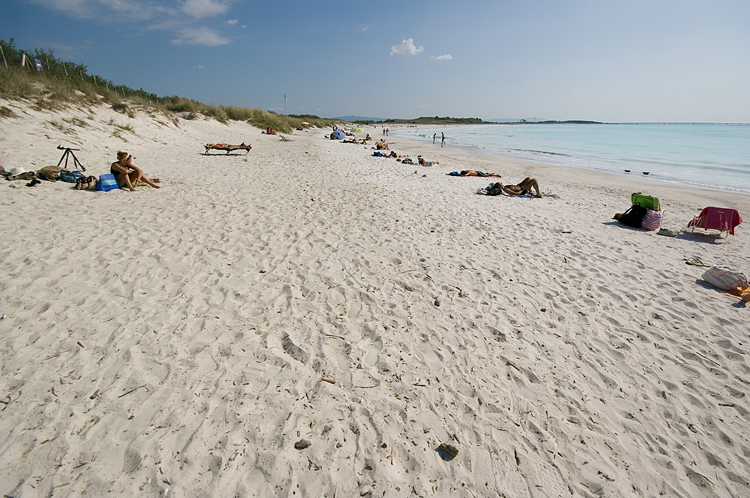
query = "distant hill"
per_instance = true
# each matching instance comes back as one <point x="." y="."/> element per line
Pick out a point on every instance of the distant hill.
<point x="359" y="119"/>
<point x="515" y="120"/>
<point x="510" y="120"/>
<point x="436" y="120"/>
<point x="540" y="121"/>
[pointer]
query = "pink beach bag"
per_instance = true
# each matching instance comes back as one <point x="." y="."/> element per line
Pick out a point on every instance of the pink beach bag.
<point x="652" y="220"/>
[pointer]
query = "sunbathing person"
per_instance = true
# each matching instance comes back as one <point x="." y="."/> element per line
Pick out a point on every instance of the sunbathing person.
<point x="522" y="188"/>
<point x="471" y="172"/>
<point x="383" y="154"/>
<point x="127" y="174"/>
<point x="422" y="162"/>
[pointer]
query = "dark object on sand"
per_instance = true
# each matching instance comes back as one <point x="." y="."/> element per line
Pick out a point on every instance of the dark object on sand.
<point x="447" y="451"/>
<point x="633" y="217"/>
<point x="646" y="172"/>
<point x="302" y="444"/>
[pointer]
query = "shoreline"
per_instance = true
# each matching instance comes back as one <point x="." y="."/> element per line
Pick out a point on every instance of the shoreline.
<point x="602" y="162"/>
<point x="309" y="320"/>
<point x="686" y="195"/>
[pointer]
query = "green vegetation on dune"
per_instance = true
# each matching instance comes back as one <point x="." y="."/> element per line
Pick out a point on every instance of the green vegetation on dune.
<point x="62" y="83"/>
<point x="436" y="120"/>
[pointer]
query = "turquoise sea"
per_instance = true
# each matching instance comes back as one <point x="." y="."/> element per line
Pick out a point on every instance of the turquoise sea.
<point x="715" y="156"/>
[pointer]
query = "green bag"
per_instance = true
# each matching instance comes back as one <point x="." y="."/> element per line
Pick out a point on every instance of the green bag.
<point x="647" y="201"/>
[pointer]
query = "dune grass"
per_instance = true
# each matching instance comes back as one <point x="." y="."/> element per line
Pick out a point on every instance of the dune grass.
<point x="61" y="84"/>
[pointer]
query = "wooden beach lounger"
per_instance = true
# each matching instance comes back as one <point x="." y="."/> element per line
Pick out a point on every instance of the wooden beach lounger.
<point x="228" y="148"/>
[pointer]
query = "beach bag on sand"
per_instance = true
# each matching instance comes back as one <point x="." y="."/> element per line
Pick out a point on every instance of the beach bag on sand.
<point x="494" y="189"/>
<point x="724" y="278"/>
<point x="633" y="217"/>
<point x="70" y="176"/>
<point x="652" y="220"/>
<point x="106" y="182"/>
<point x="647" y="201"/>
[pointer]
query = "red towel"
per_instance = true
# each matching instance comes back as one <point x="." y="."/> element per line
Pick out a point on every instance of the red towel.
<point x="718" y="219"/>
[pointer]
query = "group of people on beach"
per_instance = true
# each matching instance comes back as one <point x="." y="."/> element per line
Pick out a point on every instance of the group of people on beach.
<point x="528" y="186"/>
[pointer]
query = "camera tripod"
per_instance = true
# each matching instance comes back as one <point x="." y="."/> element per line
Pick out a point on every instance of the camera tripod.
<point x="69" y="152"/>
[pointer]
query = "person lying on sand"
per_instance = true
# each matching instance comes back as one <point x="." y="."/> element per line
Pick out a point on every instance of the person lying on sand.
<point x="471" y="172"/>
<point x="127" y="174"/>
<point x="422" y="162"/>
<point x="522" y="188"/>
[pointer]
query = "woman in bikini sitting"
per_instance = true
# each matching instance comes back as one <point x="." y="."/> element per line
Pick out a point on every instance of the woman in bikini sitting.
<point x="127" y="174"/>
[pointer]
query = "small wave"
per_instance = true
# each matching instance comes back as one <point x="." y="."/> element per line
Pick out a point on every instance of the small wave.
<point x="542" y="152"/>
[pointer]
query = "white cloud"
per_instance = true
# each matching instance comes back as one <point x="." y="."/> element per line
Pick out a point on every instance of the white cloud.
<point x="406" y="48"/>
<point x="204" y="8"/>
<point x="151" y="15"/>
<point x="446" y="57"/>
<point x="199" y="36"/>
<point x="365" y="27"/>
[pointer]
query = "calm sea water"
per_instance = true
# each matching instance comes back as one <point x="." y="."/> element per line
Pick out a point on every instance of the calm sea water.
<point x="705" y="155"/>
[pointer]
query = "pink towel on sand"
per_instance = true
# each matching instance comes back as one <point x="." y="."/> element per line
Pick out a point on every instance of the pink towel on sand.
<point x="718" y="219"/>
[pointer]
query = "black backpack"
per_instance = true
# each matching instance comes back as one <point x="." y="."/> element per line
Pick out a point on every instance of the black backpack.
<point x="633" y="217"/>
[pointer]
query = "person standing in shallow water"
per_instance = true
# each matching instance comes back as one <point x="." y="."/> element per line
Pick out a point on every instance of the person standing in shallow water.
<point x="434" y="136"/>
<point x="442" y="141"/>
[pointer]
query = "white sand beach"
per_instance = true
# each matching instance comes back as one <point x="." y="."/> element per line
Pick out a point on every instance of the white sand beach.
<point x="186" y="341"/>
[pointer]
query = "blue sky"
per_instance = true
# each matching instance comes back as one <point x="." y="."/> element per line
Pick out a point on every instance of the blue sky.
<point x="614" y="61"/>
